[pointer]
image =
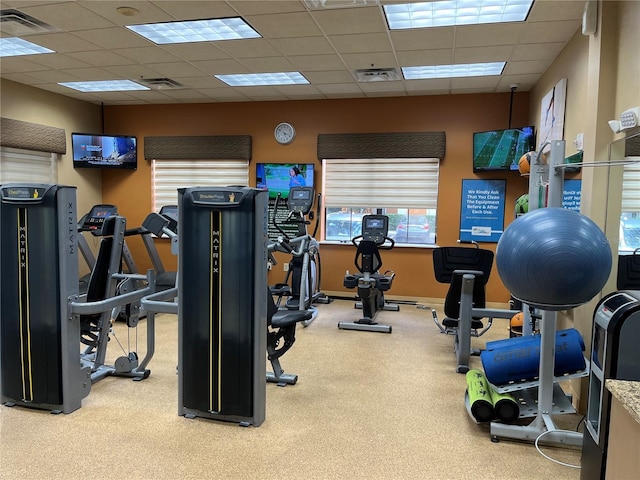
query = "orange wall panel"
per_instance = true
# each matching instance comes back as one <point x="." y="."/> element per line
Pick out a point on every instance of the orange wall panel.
<point x="457" y="115"/>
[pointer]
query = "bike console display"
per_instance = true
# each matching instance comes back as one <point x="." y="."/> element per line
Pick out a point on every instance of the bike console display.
<point x="301" y="199"/>
<point x="375" y="228"/>
<point x="94" y="220"/>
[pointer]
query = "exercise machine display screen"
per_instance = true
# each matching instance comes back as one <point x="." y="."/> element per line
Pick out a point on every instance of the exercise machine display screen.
<point x="375" y="228"/>
<point x="301" y="199"/>
<point x="96" y="217"/>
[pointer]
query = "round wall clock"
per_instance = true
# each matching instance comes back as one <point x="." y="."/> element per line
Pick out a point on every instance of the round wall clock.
<point x="284" y="133"/>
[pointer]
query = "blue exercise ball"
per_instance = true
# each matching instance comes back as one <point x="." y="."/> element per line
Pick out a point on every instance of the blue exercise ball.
<point x="553" y="258"/>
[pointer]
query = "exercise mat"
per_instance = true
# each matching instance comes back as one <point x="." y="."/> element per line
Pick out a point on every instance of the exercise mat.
<point x="517" y="359"/>
<point x="479" y="394"/>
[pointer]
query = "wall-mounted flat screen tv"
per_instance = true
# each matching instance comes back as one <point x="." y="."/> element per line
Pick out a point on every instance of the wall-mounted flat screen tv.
<point x="501" y="149"/>
<point x="280" y="177"/>
<point x="104" y="151"/>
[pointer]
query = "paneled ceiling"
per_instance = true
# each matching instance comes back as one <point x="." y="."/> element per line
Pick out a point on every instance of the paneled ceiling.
<point x="326" y="43"/>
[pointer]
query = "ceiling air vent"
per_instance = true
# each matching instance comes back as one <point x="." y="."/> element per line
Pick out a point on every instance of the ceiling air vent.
<point x="377" y="74"/>
<point x="161" y="83"/>
<point x="16" y="23"/>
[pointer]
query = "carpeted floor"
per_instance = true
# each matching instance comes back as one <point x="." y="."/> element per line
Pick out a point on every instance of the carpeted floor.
<point x="366" y="406"/>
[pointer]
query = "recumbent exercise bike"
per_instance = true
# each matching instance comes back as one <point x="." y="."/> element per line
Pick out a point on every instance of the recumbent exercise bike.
<point x="370" y="283"/>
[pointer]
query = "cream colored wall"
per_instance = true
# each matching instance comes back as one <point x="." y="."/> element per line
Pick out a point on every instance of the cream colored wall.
<point x="22" y="102"/>
<point x="628" y="74"/>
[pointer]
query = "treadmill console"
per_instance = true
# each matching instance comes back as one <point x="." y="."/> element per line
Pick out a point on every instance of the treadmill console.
<point x="301" y="199"/>
<point x="94" y="220"/>
<point x="375" y="228"/>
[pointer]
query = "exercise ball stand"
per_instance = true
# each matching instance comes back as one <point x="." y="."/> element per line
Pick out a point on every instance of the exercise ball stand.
<point x="543" y="426"/>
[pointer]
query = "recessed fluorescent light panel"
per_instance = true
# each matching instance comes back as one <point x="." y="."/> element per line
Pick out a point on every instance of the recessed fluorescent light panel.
<point x="452" y="71"/>
<point x="14" y="46"/>
<point x="261" y="79"/>
<point x="455" y="12"/>
<point x="234" y="28"/>
<point x="104" y="86"/>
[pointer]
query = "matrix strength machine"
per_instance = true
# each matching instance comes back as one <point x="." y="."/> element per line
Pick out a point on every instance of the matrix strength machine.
<point x="370" y="283"/>
<point x="43" y="319"/>
<point x="222" y="304"/>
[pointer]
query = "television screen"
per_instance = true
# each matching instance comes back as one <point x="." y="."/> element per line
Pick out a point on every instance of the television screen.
<point x="104" y="151"/>
<point x="501" y="149"/>
<point x="280" y="177"/>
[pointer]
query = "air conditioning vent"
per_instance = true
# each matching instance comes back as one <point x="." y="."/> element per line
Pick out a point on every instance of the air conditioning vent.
<point x="377" y="75"/>
<point x="16" y="24"/>
<point x="161" y="83"/>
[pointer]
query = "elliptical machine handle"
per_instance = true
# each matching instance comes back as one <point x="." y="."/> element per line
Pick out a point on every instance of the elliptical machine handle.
<point x="315" y="229"/>
<point x="275" y="214"/>
<point x="384" y="246"/>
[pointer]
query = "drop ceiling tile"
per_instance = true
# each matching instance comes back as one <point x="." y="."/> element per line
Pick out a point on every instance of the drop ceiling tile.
<point x="351" y="20"/>
<point x="260" y="7"/>
<point x="57" y="61"/>
<point x="419" y="39"/>
<point x="417" y="58"/>
<point x="133" y="72"/>
<point x="317" y="62"/>
<point x="70" y="17"/>
<point x="428" y="85"/>
<point x="86" y="74"/>
<point x="488" y="34"/>
<point x="302" y="46"/>
<point x="498" y="53"/>
<point x="24" y="78"/>
<point x="321" y="78"/>
<point x="20" y="64"/>
<point x="101" y="58"/>
<point x="248" y="48"/>
<point x="362" y="43"/>
<point x="271" y="64"/>
<point x="195" y="51"/>
<point x="336" y="89"/>
<point x="116" y="37"/>
<point x="550" y="31"/>
<point x="63" y="42"/>
<point x="474" y="82"/>
<point x="285" y="25"/>
<point x="537" y="51"/>
<point x="176" y="69"/>
<point x="219" y="67"/>
<point x="371" y="60"/>
<point x="148" y="12"/>
<point x="146" y="54"/>
<point x="553" y="11"/>
<point x="524" y="68"/>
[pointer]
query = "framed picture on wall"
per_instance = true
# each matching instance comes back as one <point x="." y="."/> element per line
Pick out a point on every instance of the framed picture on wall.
<point x="552" y="115"/>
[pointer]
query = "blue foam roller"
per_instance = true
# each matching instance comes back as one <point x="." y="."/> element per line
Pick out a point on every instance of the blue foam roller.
<point x="518" y="359"/>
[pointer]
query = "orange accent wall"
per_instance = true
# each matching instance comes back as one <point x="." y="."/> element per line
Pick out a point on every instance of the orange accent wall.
<point x="458" y="115"/>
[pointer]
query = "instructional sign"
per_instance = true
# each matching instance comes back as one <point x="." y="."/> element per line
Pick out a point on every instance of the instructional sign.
<point x="572" y="194"/>
<point x="482" y="210"/>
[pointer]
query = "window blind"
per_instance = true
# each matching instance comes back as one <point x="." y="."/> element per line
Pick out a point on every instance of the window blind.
<point x="631" y="186"/>
<point x="381" y="183"/>
<point x="169" y="175"/>
<point x="27" y="166"/>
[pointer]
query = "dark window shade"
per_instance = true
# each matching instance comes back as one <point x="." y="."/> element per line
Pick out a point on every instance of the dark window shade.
<point x="632" y="146"/>
<point x="382" y="145"/>
<point x="32" y="136"/>
<point x="210" y="147"/>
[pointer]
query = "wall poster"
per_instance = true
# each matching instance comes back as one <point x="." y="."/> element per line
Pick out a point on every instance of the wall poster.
<point x="482" y="210"/>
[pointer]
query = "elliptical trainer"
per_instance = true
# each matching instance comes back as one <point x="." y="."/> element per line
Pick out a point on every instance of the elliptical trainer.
<point x="302" y="280"/>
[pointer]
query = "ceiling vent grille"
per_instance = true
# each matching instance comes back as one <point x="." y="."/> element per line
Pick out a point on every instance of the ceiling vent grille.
<point x="161" y="83"/>
<point x="377" y="75"/>
<point x="16" y="23"/>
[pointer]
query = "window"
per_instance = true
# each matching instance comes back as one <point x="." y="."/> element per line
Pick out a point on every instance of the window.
<point x="630" y="217"/>
<point x="404" y="189"/>
<point x="169" y="175"/>
<point x="27" y="166"/>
